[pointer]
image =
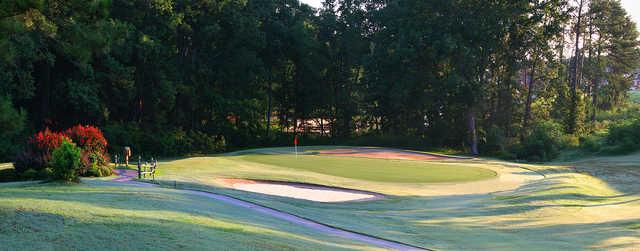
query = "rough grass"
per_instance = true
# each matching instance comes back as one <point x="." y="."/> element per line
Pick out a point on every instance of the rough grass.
<point x="634" y="97"/>
<point x="103" y="215"/>
<point x="569" y="209"/>
<point x="379" y="170"/>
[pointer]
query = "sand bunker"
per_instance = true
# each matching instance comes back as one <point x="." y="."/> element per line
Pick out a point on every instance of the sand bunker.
<point x="300" y="191"/>
<point x="379" y="153"/>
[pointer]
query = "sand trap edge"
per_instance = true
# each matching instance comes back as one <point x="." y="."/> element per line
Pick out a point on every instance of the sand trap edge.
<point x="232" y="182"/>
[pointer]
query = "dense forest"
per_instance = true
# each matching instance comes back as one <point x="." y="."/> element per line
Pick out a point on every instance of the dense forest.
<point x="171" y="77"/>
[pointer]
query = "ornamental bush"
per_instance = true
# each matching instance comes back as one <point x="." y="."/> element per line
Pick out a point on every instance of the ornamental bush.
<point x="93" y="145"/>
<point x="37" y="155"/>
<point x="65" y="161"/>
<point x="38" y="149"/>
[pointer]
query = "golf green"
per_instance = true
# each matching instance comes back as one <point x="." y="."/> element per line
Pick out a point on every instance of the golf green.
<point x="378" y="170"/>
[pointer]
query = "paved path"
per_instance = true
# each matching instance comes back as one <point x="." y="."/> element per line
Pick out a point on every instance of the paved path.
<point x="127" y="176"/>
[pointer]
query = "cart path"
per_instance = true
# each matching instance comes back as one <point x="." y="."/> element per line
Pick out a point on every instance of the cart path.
<point x="127" y="176"/>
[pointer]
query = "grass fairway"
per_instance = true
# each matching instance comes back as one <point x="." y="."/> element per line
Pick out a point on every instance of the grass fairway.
<point x="103" y="215"/>
<point x="567" y="208"/>
<point x="378" y="170"/>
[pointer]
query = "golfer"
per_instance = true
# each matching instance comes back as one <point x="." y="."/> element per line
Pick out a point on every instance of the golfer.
<point x="127" y="154"/>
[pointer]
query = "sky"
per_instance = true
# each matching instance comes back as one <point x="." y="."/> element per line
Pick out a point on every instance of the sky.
<point x="632" y="7"/>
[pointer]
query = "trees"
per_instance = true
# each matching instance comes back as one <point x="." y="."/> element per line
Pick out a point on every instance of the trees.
<point x="446" y="73"/>
<point x="615" y="54"/>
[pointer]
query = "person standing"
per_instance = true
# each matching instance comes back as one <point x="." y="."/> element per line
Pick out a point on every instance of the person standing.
<point x="127" y="154"/>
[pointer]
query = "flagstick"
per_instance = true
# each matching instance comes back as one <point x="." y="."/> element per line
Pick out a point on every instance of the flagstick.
<point x="296" y="151"/>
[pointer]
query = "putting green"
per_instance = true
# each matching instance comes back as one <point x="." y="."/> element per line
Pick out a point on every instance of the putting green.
<point x="379" y="170"/>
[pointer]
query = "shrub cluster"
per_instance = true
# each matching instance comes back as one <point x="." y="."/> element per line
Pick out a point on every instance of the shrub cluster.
<point x="543" y="143"/>
<point x="623" y="137"/>
<point x="33" y="162"/>
<point x="47" y="154"/>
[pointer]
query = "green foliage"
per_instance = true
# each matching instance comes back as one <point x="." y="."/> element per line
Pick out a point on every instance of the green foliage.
<point x="624" y="137"/>
<point x="591" y="143"/>
<point x="543" y="143"/>
<point x="29" y="174"/>
<point x="634" y="97"/>
<point x="176" y="77"/>
<point x="12" y="124"/>
<point x="98" y="170"/>
<point x="65" y="161"/>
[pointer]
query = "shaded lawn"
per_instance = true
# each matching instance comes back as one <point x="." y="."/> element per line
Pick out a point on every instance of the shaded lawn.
<point x="378" y="170"/>
<point x="102" y="215"/>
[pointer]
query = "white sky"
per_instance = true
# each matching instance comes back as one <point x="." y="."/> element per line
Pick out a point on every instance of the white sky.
<point x="632" y="7"/>
<point x="318" y="3"/>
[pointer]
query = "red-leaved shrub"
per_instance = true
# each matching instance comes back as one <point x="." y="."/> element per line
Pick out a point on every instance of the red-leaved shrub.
<point x="46" y="141"/>
<point x="92" y="142"/>
<point x="38" y="150"/>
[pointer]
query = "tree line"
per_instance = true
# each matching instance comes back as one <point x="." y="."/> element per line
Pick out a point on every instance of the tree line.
<point x="183" y="76"/>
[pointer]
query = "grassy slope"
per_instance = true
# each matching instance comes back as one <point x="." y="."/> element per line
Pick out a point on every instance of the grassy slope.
<point x="567" y="210"/>
<point x="112" y="216"/>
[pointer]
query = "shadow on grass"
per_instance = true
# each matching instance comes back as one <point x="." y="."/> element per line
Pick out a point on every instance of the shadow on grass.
<point x="431" y="221"/>
<point x="123" y="220"/>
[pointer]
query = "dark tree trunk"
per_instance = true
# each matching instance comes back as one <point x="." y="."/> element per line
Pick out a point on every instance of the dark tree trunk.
<point x="575" y="73"/>
<point x="595" y="88"/>
<point x="269" y="104"/>
<point x="527" y="106"/>
<point x="473" y="134"/>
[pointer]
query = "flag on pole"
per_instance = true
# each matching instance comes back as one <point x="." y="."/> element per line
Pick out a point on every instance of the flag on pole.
<point x="295" y="143"/>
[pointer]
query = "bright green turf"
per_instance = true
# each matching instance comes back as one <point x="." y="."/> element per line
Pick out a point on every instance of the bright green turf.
<point x="106" y="216"/>
<point x="379" y="170"/>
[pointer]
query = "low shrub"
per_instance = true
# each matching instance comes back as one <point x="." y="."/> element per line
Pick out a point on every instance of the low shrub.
<point x="29" y="174"/>
<point x="494" y="142"/>
<point x="591" y="143"/>
<point x="27" y="160"/>
<point x="46" y="173"/>
<point x="543" y="143"/>
<point x="65" y="161"/>
<point x="569" y="141"/>
<point x="37" y="153"/>
<point x="98" y="171"/>
<point x="624" y="137"/>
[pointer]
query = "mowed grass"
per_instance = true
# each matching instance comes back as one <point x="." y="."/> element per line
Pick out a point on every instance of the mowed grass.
<point x="566" y="210"/>
<point x="103" y="215"/>
<point x="378" y="170"/>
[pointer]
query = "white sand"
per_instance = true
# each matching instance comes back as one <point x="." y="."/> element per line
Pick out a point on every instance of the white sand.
<point x="305" y="192"/>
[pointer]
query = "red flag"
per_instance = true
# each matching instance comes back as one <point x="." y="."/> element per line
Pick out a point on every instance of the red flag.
<point x="295" y="140"/>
